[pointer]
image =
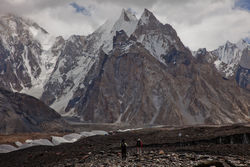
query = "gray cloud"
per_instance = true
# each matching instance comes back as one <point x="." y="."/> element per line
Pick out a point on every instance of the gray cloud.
<point x="199" y="23"/>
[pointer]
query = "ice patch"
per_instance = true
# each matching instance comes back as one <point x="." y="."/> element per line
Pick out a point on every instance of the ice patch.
<point x="127" y="130"/>
<point x="119" y="119"/>
<point x="87" y="134"/>
<point x="5" y="148"/>
<point x="99" y="132"/>
<point x="18" y="144"/>
<point x="30" y="143"/>
<point x="217" y="64"/>
<point x="72" y="137"/>
<point x="59" y="140"/>
<point x="156" y="44"/>
<point x="157" y="102"/>
<point x="44" y="142"/>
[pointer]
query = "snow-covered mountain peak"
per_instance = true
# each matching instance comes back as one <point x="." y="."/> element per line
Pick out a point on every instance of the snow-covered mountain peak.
<point x="242" y="44"/>
<point x="228" y="43"/>
<point x="127" y="22"/>
<point x="148" y="18"/>
<point x="103" y="36"/>
<point x="15" y="24"/>
<point x="105" y="27"/>
<point x="128" y="16"/>
<point x="126" y="19"/>
<point x="229" y="55"/>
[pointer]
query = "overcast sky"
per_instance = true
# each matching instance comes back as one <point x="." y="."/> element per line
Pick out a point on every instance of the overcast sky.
<point x="199" y="23"/>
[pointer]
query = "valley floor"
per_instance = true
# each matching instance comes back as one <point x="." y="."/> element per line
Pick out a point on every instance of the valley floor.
<point x="158" y="158"/>
<point x="226" y="146"/>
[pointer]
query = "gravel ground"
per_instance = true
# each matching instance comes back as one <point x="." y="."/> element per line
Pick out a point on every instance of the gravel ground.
<point x="197" y="146"/>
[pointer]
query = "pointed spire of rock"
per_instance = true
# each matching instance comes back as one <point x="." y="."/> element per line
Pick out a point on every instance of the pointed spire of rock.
<point x="127" y="22"/>
<point x="242" y="44"/>
<point x="124" y="16"/>
<point x="148" y="18"/>
<point x="127" y="15"/>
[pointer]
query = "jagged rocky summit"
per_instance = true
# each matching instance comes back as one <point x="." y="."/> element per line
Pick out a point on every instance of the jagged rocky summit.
<point x="134" y="71"/>
<point x="231" y="61"/>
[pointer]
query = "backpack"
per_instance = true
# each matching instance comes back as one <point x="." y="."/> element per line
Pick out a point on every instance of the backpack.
<point x="139" y="143"/>
<point x="123" y="146"/>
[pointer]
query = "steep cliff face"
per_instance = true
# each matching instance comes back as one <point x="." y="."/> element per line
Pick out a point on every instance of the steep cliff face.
<point x="68" y="73"/>
<point x="243" y="71"/>
<point x="20" y="113"/>
<point x="76" y="60"/>
<point x="160" y="40"/>
<point x="229" y="56"/>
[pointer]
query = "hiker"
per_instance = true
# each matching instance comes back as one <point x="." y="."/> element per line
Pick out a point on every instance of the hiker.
<point x="124" y="149"/>
<point x="139" y="146"/>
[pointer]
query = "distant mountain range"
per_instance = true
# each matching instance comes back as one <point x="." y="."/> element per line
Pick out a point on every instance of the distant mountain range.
<point x="134" y="71"/>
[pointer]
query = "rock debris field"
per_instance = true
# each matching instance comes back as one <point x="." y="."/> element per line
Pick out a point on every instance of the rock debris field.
<point x="157" y="158"/>
<point x="226" y="146"/>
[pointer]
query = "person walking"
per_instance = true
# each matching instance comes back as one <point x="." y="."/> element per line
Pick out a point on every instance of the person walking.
<point x="124" y="149"/>
<point x="139" y="146"/>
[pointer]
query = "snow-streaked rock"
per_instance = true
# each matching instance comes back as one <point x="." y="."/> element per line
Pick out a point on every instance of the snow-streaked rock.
<point x="157" y="38"/>
<point x="28" y="51"/>
<point x="76" y="60"/>
<point x="136" y="88"/>
<point x="229" y="56"/>
<point x="132" y="71"/>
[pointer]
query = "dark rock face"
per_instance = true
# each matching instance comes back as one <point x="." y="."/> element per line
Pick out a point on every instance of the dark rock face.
<point x="243" y="72"/>
<point x="21" y="113"/>
<point x="243" y="77"/>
